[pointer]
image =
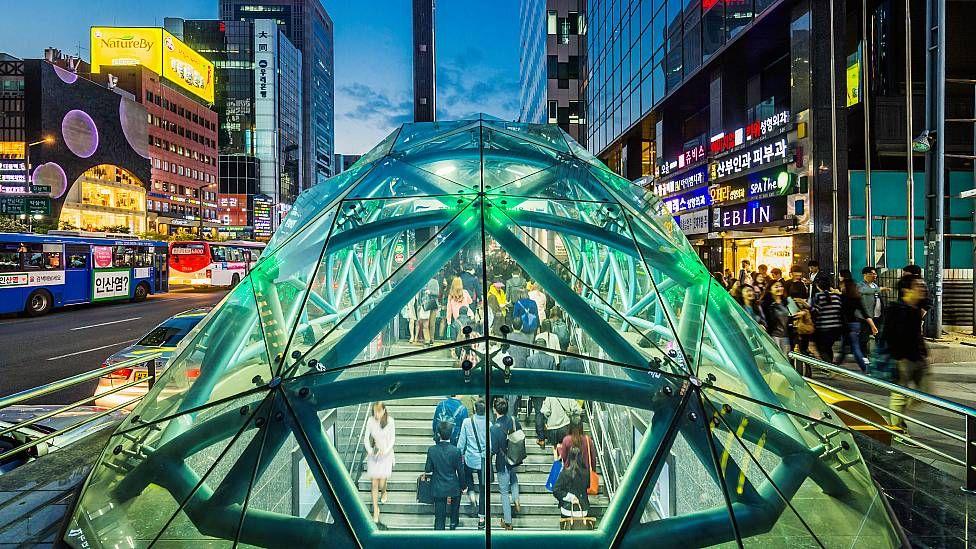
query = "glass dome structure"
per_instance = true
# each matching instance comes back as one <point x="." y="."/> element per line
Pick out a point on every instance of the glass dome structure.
<point x="254" y="434"/>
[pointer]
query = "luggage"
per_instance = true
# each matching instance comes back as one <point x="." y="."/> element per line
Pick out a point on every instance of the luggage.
<point x="577" y="523"/>
<point x="425" y="491"/>
<point x="515" y="453"/>
<point x="557" y="467"/>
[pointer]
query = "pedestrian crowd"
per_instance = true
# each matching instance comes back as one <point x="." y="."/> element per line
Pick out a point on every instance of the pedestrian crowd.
<point x="882" y="332"/>
<point x="478" y="443"/>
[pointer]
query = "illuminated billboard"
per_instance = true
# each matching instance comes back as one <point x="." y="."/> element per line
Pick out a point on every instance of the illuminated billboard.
<point x="158" y="51"/>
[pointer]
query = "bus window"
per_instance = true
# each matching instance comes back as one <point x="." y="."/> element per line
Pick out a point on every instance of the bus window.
<point x="9" y="261"/>
<point x="218" y="253"/>
<point x="77" y="261"/>
<point x="234" y="254"/>
<point x="48" y="261"/>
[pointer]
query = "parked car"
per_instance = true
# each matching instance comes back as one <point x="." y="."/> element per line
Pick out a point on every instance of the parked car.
<point x="165" y="338"/>
<point x="19" y="437"/>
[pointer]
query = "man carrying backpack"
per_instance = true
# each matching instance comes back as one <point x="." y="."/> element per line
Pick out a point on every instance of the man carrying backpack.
<point x="508" y="449"/>
<point x="450" y="410"/>
<point x="526" y="310"/>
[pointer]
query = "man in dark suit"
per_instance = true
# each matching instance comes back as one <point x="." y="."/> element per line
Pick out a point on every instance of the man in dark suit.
<point x="444" y="467"/>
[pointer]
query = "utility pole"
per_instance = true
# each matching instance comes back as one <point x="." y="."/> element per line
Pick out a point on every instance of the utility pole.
<point x="909" y="136"/>
<point x="935" y="160"/>
<point x="866" y="105"/>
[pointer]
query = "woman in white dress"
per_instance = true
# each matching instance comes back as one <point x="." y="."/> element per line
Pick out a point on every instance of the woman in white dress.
<point x="379" y="440"/>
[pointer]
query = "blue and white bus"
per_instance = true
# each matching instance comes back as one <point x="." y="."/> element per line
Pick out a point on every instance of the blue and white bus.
<point x="39" y="272"/>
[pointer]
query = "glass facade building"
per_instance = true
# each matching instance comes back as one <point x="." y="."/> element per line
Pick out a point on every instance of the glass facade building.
<point x="261" y="126"/>
<point x="257" y="431"/>
<point x="723" y="109"/>
<point x="309" y="27"/>
<point x="550" y="64"/>
<point x="640" y="51"/>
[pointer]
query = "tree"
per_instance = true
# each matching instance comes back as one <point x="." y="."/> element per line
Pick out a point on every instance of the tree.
<point x="11" y="225"/>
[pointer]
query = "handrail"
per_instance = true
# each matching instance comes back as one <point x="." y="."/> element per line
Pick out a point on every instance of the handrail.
<point x="968" y="414"/>
<point x="66" y="383"/>
<point x="72" y="427"/>
<point x="55" y="386"/>
<point x="942" y="403"/>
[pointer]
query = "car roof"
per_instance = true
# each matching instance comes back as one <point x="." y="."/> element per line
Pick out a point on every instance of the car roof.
<point x="198" y="312"/>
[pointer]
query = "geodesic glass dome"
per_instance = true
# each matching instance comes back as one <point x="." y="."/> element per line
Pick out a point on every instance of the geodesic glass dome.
<point x="254" y="434"/>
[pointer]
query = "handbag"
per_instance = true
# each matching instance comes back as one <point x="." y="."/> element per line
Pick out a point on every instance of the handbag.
<point x="803" y="322"/>
<point x="557" y="467"/>
<point x="594" y="486"/>
<point x="577" y="523"/>
<point x="425" y="489"/>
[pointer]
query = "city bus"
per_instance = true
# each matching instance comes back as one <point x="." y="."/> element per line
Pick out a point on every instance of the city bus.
<point x="212" y="264"/>
<point x="40" y="272"/>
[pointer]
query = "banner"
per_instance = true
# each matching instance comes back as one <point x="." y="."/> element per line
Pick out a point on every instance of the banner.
<point x="110" y="284"/>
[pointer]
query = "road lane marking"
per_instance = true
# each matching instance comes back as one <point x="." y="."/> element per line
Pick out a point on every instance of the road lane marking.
<point x="106" y="323"/>
<point x="90" y="350"/>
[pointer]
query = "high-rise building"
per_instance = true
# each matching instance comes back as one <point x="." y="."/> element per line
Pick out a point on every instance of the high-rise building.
<point x="748" y="119"/>
<point x="258" y="95"/>
<point x="424" y="62"/>
<point x="550" y="64"/>
<point x="309" y="27"/>
<point x="345" y="161"/>
<point x="182" y="125"/>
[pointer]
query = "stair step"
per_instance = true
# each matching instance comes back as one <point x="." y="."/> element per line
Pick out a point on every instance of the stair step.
<point x="406" y="481"/>
<point x="544" y="506"/>
<point x="416" y="462"/>
<point x="395" y="521"/>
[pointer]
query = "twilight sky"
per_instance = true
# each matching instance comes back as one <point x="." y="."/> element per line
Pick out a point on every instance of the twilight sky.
<point x="477" y="52"/>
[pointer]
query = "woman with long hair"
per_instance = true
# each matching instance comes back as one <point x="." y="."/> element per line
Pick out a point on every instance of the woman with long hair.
<point x="778" y="309"/>
<point x="457" y="297"/>
<point x="379" y="439"/>
<point x="852" y="308"/>
<point x="570" y="488"/>
<point x="747" y="298"/>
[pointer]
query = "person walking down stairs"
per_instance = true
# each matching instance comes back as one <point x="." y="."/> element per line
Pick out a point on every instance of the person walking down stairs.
<point x="380" y="439"/>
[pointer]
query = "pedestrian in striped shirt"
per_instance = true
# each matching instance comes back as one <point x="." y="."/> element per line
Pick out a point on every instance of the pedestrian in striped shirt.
<point x="827" y="318"/>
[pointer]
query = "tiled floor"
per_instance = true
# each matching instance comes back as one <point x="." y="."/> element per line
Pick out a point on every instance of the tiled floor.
<point x="34" y="498"/>
<point x="930" y="504"/>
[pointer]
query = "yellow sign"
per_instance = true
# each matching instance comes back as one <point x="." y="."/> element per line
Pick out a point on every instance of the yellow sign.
<point x="127" y="46"/>
<point x="853" y="82"/>
<point x="158" y="51"/>
<point x="186" y="68"/>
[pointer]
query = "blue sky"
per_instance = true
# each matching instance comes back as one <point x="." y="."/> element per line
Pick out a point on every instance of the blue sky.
<point x="477" y="52"/>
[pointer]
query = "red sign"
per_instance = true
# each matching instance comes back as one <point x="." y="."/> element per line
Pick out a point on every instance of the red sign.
<point x="101" y="256"/>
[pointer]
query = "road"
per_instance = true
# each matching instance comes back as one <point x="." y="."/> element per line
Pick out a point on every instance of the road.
<point x="35" y="351"/>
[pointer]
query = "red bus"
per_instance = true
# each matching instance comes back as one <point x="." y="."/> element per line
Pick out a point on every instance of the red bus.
<point x="203" y="264"/>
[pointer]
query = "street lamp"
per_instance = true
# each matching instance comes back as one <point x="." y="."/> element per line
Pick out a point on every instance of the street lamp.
<point x="27" y="166"/>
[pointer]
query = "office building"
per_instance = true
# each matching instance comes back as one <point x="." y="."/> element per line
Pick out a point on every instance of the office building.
<point x="258" y="98"/>
<point x="308" y="27"/>
<point x="424" y="62"/>
<point x="725" y="110"/>
<point x="714" y="106"/>
<point x="549" y="64"/>
<point x="343" y="162"/>
<point x="182" y="125"/>
<point x="73" y="153"/>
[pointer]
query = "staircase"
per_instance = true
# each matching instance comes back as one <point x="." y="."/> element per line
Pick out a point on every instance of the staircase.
<point x="413" y="437"/>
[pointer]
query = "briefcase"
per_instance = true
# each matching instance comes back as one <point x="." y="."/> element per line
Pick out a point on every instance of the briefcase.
<point x="425" y="491"/>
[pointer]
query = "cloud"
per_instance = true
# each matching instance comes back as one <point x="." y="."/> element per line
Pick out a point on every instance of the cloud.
<point x="466" y="85"/>
<point x="375" y="107"/>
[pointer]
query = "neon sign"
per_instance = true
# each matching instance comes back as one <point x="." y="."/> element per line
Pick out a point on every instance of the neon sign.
<point x="748" y="214"/>
<point x="689" y="157"/>
<point x="687" y="181"/>
<point x="765" y="154"/>
<point x="698" y="198"/>
<point x="758" y="129"/>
